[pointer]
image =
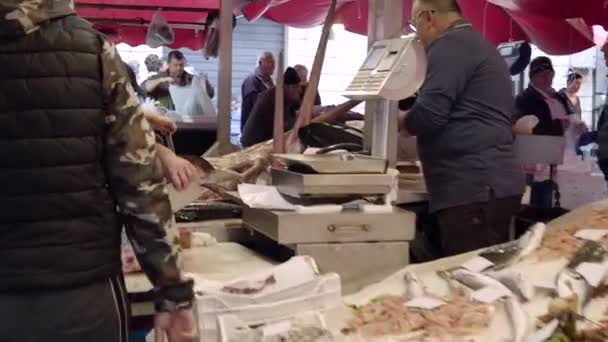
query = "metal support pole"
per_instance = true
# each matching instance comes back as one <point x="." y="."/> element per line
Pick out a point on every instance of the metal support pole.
<point x="385" y="21"/>
<point x="225" y="78"/>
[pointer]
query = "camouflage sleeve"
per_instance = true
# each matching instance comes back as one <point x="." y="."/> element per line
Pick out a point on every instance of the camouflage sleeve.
<point x="137" y="182"/>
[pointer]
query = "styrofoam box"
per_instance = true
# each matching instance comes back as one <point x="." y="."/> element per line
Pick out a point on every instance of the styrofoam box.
<point x="322" y="293"/>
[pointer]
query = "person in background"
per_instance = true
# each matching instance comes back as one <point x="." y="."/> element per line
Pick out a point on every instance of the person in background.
<point x="77" y="167"/>
<point x="541" y="100"/>
<point x="462" y="120"/>
<point x="134" y="65"/>
<point x="576" y="126"/>
<point x="153" y="64"/>
<point x="303" y="73"/>
<point x="177" y="170"/>
<point x="260" y="125"/>
<point x="157" y="87"/>
<point x="256" y="83"/>
<point x="602" y="129"/>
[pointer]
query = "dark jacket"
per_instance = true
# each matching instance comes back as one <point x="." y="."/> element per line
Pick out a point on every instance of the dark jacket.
<point x="58" y="222"/>
<point x="602" y="134"/>
<point x="260" y="125"/>
<point x="252" y="86"/>
<point x="531" y="102"/>
<point x="462" y="118"/>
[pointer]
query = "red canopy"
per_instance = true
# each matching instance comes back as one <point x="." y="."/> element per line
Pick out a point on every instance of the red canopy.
<point x="556" y="26"/>
<point x="127" y="20"/>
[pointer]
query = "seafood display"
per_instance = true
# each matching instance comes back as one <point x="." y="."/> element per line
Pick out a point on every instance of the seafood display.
<point x="250" y="287"/>
<point x="389" y="316"/>
<point x="509" y="253"/>
<point x="516" y="284"/>
<point x="561" y="241"/>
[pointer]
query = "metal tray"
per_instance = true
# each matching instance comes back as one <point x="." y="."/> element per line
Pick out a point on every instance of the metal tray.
<point x="320" y="185"/>
<point x="338" y="163"/>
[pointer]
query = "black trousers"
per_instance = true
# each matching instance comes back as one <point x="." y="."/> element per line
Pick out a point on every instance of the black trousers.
<point x="604" y="167"/>
<point x="470" y="227"/>
<point x="94" y="313"/>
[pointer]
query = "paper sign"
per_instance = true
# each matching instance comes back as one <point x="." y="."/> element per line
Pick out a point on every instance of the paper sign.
<point x="477" y="264"/>
<point x="275" y="329"/>
<point x="489" y="294"/>
<point x="591" y="234"/>
<point x="592" y="272"/>
<point x="425" y="303"/>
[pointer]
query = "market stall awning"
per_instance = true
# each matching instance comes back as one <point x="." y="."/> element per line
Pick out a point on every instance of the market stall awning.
<point x="127" y="20"/>
<point x="556" y="26"/>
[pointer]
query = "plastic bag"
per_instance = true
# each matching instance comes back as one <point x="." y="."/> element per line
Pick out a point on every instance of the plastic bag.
<point x="193" y="100"/>
<point x="159" y="32"/>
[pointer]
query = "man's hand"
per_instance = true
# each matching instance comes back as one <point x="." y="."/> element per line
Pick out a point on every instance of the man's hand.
<point x="179" y="171"/>
<point x="178" y="326"/>
<point x="150" y="85"/>
<point x="401" y="124"/>
<point x="161" y="123"/>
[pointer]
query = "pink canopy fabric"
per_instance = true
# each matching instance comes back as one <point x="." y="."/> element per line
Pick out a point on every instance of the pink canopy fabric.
<point x="556" y="26"/>
<point x="126" y="21"/>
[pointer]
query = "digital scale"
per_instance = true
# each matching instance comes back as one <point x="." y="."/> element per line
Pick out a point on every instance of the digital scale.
<point x="363" y="246"/>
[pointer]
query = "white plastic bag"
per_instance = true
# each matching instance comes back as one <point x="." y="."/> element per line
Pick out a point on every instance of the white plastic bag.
<point x="193" y="100"/>
<point x="159" y="32"/>
<point x="201" y="98"/>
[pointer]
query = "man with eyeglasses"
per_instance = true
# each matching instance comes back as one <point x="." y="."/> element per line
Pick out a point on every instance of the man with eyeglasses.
<point x="462" y="118"/>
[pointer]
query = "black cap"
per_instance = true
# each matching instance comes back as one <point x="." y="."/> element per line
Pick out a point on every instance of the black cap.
<point x="291" y="76"/>
<point x="540" y="64"/>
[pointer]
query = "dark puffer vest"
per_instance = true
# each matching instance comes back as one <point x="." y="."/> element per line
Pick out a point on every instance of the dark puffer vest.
<point x="58" y="226"/>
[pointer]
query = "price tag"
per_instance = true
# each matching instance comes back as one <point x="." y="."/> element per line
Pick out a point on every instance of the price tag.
<point x="591" y="234"/>
<point x="592" y="272"/>
<point x="489" y="294"/>
<point x="275" y="329"/>
<point x="425" y="303"/>
<point x="477" y="264"/>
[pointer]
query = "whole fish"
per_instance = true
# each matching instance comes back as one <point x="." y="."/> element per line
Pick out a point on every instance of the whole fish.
<point x="509" y="253"/>
<point x="516" y="282"/>
<point x="518" y="318"/>
<point x="477" y="281"/>
<point x="413" y="286"/>
<point x="591" y="251"/>
<point x="571" y="285"/>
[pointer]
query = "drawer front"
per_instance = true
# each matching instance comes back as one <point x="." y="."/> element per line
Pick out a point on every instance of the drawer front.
<point x="291" y="228"/>
<point x="358" y="264"/>
<point x="305" y="228"/>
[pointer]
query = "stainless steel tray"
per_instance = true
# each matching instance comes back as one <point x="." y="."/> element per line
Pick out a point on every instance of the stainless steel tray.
<point x="322" y="185"/>
<point x="338" y="163"/>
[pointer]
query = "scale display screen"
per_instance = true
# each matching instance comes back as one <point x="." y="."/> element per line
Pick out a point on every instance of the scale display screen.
<point x="374" y="58"/>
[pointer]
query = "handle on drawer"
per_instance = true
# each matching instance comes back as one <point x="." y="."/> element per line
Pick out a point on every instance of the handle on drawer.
<point x="334" y="228"/>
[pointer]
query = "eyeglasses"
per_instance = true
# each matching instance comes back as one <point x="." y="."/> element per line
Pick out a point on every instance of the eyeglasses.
<point x="412" y="23"/>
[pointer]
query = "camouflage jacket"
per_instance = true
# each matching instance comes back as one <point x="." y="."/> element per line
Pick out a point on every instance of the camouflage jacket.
<point x="134" y="178"/>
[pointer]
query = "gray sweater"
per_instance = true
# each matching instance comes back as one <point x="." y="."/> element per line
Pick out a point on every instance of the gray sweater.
<point x="463" y="121"/>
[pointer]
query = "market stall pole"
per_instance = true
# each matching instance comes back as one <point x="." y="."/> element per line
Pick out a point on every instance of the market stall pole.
<point x="223" y="145"/>
<point x="385" y="21"/>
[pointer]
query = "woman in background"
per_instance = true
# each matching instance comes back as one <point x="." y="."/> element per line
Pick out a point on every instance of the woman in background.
<point x="572" y="161"/>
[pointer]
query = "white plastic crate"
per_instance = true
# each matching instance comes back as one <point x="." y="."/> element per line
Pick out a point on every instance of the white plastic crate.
<point x="298" y="289"/>
<point x="232" y="329"/>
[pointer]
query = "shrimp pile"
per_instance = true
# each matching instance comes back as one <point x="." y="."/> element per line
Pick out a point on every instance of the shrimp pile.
<point x="388" y="315"/>
<point x="560" y="241"/>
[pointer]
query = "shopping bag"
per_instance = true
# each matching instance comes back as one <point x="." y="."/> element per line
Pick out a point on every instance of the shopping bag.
<point x="159" y="32"/>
